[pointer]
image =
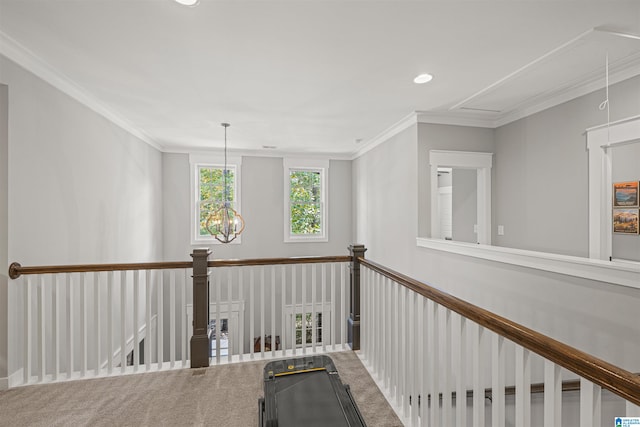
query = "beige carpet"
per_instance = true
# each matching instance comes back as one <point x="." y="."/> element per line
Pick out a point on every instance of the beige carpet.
<point x="224" y="395"/>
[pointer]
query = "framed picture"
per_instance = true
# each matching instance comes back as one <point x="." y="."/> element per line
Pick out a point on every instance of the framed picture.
<point x="625" y="194"/>
<point x="625" y="221"/>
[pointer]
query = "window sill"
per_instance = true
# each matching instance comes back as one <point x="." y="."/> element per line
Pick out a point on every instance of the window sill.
<point x="613" y="272"/>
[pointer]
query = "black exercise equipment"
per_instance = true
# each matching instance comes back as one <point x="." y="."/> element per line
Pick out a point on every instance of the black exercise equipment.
<point x="306" y="392"/>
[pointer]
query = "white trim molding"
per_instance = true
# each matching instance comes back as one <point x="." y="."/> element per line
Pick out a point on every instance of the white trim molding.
<point x="482" y="163"/>
<point x="211" y="160"/>
<point x="312" y="165"/>
<point x="599" y="140"/>
<point x="613" y="272"/>
<point x="28" y="60"/>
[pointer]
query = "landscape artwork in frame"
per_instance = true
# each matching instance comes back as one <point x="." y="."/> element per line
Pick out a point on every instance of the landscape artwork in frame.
<point x="625" y="194"/>
<point x="625" y="221"/>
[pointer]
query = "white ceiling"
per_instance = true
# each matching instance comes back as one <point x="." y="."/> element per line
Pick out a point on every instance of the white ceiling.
<point x="316" y="76"/>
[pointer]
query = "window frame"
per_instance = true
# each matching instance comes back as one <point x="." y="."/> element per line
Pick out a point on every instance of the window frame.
<point x="197" y="162"/>
<point x="308" y="165"/>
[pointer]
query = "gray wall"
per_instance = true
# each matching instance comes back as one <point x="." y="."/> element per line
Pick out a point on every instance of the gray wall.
<point x="444" y="137"/>
<point x="531" y="157"/>
<point x="262" y="196"/>
<point x="540" y="184"/>
<point x="82" y="190"/>
<point x="625" y="162"/>
<point x="465" y="205"/>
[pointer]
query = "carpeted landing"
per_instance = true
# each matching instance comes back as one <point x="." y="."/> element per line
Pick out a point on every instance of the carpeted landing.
<point x="225" y="395"/>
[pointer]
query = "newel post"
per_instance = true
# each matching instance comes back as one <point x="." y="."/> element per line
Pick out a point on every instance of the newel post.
<point x="353" y="328"/>
<point x="200" y="345"/>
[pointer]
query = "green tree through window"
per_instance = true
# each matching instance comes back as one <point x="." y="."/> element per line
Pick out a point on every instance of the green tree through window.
<point x="305" y="202"/>
<point x="211" y="192"/>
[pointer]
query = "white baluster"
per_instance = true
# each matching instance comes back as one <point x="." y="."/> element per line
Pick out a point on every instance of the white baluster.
<point x="217" y="292"/>
<point x="261" y="305"/>
<point x="632" y="410"/>
<point x="497" y="381"/>
<point x="590" y="404"/>
<point x="272" y="286"/>
<point x="313" y="308"/>
<point x="552" y="394"/>
<point x="478" y="385"/>
<point x="345" y="304"/>
<point x="96" y="323"/>
<point x="412" y="362"/>
<point x="70" y="324"/>
<point x="41" y="334"/>
<point x="160" y="317"/>
<point x="523" y="387"/>
<point x="186" y="335"/>
<point x="283" y="304"/>
<point x="55" y="326"/>
<point x="434" y="362"/>
<point x="172" y="318"/>
<point x="136" y="316"/>
<point x="304" y="309"/>
<point x="251" y="310"/>
<point x="147" y="339"/>
<point x="293" y="310"/>
<point x="461" y="372"/>
<point x="335" y="316"/>
<point x="447" y="405"/>
<point x="323" y="301"/>
<point x="84" y="329"/>
<point x="110" y="322"/>
<point x="230" y="331"/>
<point x="123" y="321"/>
<point x="241" y="322"/>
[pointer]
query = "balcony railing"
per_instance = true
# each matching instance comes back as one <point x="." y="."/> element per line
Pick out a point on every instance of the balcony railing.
<point x="82" y="321"/>
<point x="425" y="348"/>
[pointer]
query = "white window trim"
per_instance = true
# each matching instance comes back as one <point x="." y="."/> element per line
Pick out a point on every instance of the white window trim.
<point x="482" y="163"/>
<point x="324" y="309"/>
<point x="196" y="161"/>
<point x="318" y="165"/>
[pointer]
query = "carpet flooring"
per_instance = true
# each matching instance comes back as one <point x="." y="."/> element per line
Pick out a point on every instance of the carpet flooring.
<point x="224" y="395"/>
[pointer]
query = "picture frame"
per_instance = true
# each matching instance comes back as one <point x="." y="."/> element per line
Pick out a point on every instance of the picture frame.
<point x="625" y="194"/>
<point x="625" y="220"/>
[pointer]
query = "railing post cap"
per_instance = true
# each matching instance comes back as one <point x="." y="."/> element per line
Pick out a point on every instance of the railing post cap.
<point x="201" y="252"/>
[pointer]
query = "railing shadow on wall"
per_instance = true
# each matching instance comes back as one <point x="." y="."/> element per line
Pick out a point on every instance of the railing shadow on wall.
<point x="417" y="342"/>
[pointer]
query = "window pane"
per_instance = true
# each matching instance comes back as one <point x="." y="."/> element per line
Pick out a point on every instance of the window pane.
<point x="305" y="202"/>
<point x="212" y="192"/>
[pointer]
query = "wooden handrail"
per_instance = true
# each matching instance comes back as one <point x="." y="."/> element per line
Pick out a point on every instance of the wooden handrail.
<point x="617" y="380"/>
<point x="16" y="270"/>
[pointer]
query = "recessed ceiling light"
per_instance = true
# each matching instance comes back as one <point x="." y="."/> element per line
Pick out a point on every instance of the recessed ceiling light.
<point x="191" y="3"/>
<point x="423" y="78"/>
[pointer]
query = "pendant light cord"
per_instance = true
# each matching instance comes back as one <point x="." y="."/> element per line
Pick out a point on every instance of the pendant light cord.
<point x="605" y="104"/>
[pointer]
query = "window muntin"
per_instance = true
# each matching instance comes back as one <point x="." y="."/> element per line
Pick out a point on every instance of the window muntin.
<point x="305" y="200"/>
<point x="208" y="193"/>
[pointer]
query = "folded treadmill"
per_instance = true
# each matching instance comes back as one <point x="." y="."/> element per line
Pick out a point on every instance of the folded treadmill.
<point x="306" y="392"/>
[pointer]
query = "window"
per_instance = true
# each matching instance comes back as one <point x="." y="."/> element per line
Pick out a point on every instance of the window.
<point x="305" y="190"/>
<point x="311" y="328"/>
<point x="308" y="328"/>
<point x="208" y="192"/>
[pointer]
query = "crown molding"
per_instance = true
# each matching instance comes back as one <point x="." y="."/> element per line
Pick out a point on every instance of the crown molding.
<point x="384" y="136"/>
<point x="14" y="51"/>
<point x="575" y="91"/>
<point x="258" y="153"/>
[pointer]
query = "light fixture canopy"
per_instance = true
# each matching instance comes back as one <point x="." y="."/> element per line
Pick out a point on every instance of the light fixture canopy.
<point x="423" y="78"/>
<point x="224" y="223"/>
<point x="190" y="3"/>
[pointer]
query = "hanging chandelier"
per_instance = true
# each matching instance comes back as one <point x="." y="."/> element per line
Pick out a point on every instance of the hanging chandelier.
<point x="225" y="223"/>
